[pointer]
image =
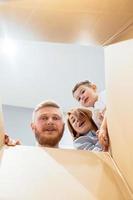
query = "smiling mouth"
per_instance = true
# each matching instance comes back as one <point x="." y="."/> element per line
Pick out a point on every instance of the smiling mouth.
<point x="50" y="129"/>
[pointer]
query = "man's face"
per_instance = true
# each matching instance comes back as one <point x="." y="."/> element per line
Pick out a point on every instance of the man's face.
<point x="86" y="96"/>
<point x="48" y="126"/>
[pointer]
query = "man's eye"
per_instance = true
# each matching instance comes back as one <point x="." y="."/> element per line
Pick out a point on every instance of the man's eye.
<point x="79" y="99"/>
<point x="56" y="118"/>
<point x="44" y="118"/>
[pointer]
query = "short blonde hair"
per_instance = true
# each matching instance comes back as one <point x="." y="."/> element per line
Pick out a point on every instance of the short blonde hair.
<point x="87" y="83"/>
<point x="44" y="104"/>
<point x="76" y="111"/>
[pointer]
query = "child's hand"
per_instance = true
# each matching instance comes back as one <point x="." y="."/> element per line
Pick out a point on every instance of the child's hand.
<point x="10" y="142"/>
<point x="101" y="114"/>
<point x="103" y="138"/>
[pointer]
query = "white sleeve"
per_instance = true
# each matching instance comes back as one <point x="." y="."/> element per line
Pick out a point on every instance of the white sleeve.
<point x="103" y="97"/>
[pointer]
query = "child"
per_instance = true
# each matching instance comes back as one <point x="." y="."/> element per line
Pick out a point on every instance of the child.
<point x="86" y="93"/>
<point x="83" y="129"/>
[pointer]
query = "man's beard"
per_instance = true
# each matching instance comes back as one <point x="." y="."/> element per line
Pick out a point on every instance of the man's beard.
<point x="49" y="139"/>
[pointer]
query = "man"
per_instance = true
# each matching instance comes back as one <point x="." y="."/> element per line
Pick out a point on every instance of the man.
<point x="47" y="124"/>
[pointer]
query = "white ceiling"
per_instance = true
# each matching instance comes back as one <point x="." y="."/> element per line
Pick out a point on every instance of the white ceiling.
<point x="42" y="71"/>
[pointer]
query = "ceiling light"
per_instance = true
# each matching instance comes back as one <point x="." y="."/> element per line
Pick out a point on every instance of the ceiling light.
<point x="9" y="47"/>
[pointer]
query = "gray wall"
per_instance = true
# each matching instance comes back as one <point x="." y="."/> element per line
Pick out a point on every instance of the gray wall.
<point x="17" y="123"/>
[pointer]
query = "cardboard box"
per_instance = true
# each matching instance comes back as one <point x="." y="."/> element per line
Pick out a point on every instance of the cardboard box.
<point x="34" y="173"/>
<point x="67" y="21"/>
<point x="37" y="173"/>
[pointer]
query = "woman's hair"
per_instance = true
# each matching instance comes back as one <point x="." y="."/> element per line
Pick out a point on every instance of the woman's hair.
<point x="79" y="112"/>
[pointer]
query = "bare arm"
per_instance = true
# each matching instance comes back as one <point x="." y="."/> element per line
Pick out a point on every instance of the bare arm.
<point x="103" y="134"/>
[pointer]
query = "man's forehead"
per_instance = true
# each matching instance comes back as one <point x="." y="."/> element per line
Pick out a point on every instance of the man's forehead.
<point x="49" y="111"/>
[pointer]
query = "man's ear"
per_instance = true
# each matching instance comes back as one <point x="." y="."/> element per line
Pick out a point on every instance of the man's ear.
<point x="32" y="126"/>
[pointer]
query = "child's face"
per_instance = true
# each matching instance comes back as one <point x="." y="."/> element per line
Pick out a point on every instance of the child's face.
<point x="80" y="122"/>
<point x="87" y="96"/>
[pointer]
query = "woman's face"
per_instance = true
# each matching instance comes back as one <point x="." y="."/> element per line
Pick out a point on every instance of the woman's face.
<point x="80" y="122"/>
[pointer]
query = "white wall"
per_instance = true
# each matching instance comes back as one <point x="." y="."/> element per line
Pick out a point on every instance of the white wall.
<point x="41" y="71"/>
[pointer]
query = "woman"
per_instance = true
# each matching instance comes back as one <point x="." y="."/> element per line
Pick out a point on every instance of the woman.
<point x="83" y="129"/>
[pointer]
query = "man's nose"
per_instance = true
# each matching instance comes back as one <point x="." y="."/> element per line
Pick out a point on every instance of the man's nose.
<point x="50" y="121"/>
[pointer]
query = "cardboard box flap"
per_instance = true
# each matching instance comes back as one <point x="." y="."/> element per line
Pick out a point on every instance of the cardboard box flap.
<point x="43" y="173"/>
<point x="1" y="127"/>
<point x="81" y="22"/>
<point x="121" y="36"/>
<point x="119" y="82"/>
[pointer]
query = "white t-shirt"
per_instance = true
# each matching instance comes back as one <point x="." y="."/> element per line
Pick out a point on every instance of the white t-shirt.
<point x="99" y="108"/>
